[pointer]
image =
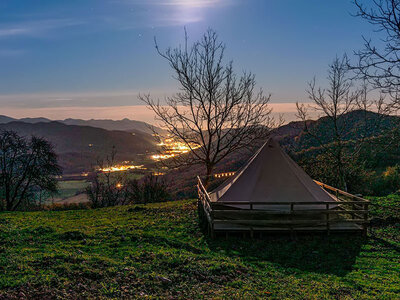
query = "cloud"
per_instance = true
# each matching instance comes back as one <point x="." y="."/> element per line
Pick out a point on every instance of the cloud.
<point x="13" y="31"/>
<point x="11" y="52"/>
<point x="193" y="3"/>
<point x="167" y="13"/>
<point x="116" y="15"/>
<point x="85" y="99"/>
<point x="36" y="28"/>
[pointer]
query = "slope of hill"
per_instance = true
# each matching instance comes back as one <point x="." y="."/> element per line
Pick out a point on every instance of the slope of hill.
<point x="124" y="125"/>
<point x="5" y="119"/>
<point x="158" y="251"/>
<point x="354" y="125"/>
<point x="79" y="146"/>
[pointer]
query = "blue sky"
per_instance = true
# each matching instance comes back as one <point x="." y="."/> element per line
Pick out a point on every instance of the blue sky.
<point x="100" y="53"/>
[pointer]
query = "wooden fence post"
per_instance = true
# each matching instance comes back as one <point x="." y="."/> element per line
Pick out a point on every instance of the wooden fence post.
<point x="365" y="225"/>
<point x="327" y="219"/>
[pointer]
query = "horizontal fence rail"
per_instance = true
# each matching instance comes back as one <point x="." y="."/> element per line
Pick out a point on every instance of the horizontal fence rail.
<point x="345" y="212"/>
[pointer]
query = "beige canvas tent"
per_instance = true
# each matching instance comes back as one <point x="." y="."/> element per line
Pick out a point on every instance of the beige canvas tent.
<point x="272" y="176"/>
<point x="271" y="192"/>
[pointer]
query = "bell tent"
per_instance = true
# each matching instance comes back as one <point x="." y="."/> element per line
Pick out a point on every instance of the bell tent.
<point x="271" y="176"/>
<point x="272" y="193"/>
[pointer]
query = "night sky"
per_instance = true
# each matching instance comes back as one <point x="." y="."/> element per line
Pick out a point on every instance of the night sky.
<point x="76" y="57"/>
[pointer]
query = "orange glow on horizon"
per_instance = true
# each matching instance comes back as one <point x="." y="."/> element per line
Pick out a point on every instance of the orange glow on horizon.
<point x="133" y="112"/>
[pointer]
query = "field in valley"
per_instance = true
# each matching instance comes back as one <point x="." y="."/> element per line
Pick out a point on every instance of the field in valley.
<point x="71" y="191"/>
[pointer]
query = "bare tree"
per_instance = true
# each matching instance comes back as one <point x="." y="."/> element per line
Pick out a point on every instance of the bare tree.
<point x="149" y="189"/>
<point x="106" y="188"/>
<point x="215" y="112"/>
<point x="28" y="169"/>
<point x="333" y="104"/>
<point x="379" y="63"/>
<point x="109" y="188"/>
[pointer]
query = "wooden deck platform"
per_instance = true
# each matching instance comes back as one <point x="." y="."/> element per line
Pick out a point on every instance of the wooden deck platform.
<point x="240" y="228"/>
<point x="346" y="213"/>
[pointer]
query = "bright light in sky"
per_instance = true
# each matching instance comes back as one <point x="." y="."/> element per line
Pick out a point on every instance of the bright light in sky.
<point x="193" y="3"/>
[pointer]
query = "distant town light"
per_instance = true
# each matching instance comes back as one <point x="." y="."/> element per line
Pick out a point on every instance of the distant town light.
<point x="226" y="174"/>
<point x="158" y="173"/>
<point x="119" y="168"/>
<point x="172" y="149"/>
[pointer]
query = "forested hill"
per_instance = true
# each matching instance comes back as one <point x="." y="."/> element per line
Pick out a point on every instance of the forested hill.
<point x="124" y="124"/>
<point x="354" y="125"/>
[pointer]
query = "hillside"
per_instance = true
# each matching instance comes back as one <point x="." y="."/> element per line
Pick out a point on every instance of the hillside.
<point x="124" y="125"/>
<point x="158" y="251"/>
<point x="354" y="125"/>
<point x="78" y="147"/>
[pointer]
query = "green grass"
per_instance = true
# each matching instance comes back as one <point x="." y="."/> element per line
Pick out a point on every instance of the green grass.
<point x="158" y="251"/>
<point x="69" y="188"/>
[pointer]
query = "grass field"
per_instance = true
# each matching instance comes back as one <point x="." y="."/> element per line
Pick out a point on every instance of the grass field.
<point x="158" y="251"/>
<point x="72" y="191"/>
<point x="69" y="188"/>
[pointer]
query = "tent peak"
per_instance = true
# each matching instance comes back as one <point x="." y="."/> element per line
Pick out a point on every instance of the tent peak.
<point x="270" y="176"/>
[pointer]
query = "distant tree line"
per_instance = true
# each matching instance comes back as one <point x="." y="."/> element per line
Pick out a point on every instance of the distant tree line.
<point x="118" y="188"/>
<point x="104" y="193"/>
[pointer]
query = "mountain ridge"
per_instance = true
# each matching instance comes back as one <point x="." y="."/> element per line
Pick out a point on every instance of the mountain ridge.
<point x="108" y="124"/>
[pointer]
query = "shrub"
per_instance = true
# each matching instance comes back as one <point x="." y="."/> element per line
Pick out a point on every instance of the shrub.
<point x="151" y="189"/>
<point x="120" y="191"/>
<point x="386" y="183"/>
<point x="105" y="192"/>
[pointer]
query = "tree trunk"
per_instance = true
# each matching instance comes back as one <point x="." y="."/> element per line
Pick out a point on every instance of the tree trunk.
<point x="210" y="169"/>
<point x="9" y="203"/>
<point x="342" y="177"/>
<point x="8" y="197"/>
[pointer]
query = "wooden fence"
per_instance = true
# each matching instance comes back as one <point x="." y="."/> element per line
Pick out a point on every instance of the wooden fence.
<point x="346" y="212"/>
